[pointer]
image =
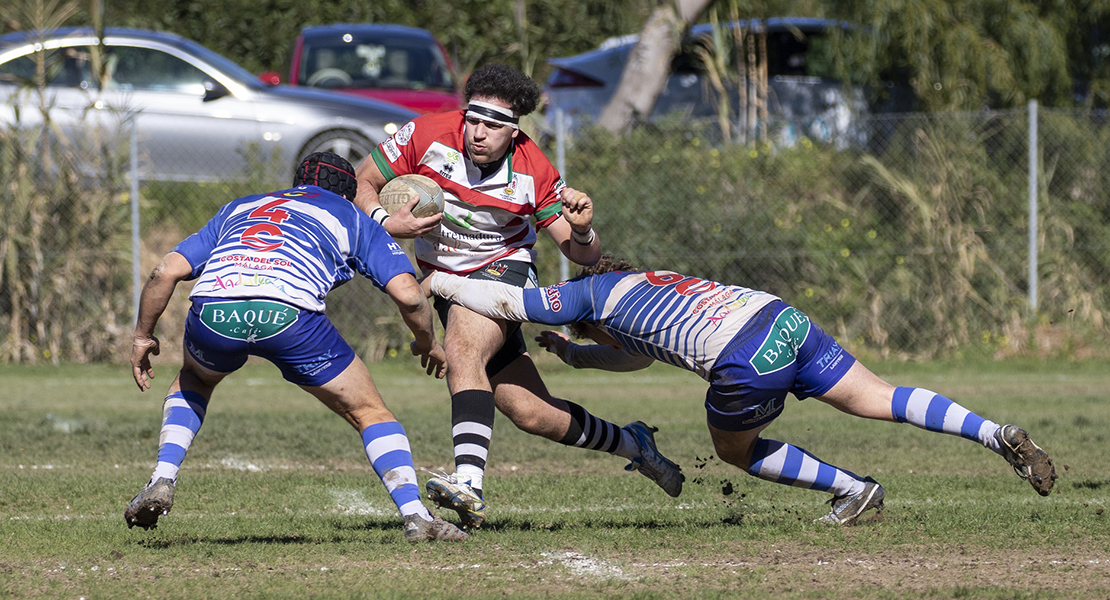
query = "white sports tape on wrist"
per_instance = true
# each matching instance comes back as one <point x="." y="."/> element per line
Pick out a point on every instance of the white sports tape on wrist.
<point x="380" y="215"/>
<point x="583" y="238"/>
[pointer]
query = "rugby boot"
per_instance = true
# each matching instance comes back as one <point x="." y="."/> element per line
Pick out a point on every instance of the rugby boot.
<point x="455" y="493"/>
<point x="651" y="464"/>
<point x="1029" y="461"/>
<point x="418" y="529"/>
<point x="847" y="508"/>
<point x="155" y="500"/>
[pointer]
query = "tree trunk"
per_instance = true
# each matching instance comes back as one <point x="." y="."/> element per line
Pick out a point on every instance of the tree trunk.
<point x="649" y="65"/>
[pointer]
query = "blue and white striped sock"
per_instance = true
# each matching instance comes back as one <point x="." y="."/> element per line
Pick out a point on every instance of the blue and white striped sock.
<point x="388" y="449"/>
<point x="182" y="416"/>
<point x="933" y="412"/>
<point x="784" y="463"/>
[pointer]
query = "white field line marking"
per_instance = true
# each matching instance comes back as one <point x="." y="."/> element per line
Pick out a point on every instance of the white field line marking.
<point x="352" y="502"/>
<point x="239" y="464"/>
<point x="585" y="566"/>
<point x="575" y="562"/>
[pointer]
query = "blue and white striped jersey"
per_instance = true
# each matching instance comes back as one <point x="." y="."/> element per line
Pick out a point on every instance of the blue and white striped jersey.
<point x="684" y="321"/>
<point x="293" y="246"/>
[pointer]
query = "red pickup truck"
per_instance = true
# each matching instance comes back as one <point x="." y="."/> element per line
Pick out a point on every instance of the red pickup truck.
<point x="395" y="63"/>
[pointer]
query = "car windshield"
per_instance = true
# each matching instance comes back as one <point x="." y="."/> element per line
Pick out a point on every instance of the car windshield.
<point x="224" y="65"/>
<point x="401" y="64"/>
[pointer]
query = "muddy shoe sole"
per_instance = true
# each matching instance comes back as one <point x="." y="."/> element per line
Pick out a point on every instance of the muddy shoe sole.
<point x="152" y="502"/>
<point x="1030" y="462"/>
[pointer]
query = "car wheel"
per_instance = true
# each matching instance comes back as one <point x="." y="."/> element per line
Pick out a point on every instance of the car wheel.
<point x="348" y="144"/>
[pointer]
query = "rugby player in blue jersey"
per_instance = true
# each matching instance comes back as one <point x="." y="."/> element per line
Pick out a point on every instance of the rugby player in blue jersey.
<point x="263" y="267"/>
<point x="753" y="349"/>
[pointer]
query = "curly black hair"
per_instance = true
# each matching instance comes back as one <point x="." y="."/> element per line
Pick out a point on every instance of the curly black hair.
<point x="506" y="84"/>
<point x="607" y="264"/>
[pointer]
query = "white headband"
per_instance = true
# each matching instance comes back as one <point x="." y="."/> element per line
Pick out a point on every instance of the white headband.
<point x="492" y="112"/>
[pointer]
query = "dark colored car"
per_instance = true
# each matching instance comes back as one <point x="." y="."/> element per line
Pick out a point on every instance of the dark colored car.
<point x="403" y="65"/>
<point x="805" y="98"/>
<point x="196" y="111"/>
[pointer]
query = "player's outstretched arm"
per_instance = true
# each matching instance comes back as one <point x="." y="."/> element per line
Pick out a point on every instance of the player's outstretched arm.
<point x="592" y="356"/>
<point x="152" y="303"/>
<point x="401" y="224"/>
<point x="413" y="304"/>
<point x="574" y="233"/>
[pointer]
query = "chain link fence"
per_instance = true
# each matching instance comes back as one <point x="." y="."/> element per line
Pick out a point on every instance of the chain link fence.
<point x="910" y="237"/>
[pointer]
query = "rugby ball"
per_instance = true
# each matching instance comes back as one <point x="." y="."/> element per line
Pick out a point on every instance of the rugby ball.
<point x="400" y="190"/>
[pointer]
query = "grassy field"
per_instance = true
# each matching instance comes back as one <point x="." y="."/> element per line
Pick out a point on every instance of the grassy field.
<point x="276" y="498"/>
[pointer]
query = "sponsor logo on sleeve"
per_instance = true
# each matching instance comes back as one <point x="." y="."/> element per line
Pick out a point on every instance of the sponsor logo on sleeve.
<point x="391" y="150"/>
<point x="553" y="299"/>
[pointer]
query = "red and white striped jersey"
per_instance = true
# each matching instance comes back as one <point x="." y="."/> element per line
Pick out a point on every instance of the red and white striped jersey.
<point x="484" y="219"/>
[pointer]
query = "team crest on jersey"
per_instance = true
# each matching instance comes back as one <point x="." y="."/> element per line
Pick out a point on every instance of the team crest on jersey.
<point x="497" y="270"/>
<point x="453" y="156"/>
<point x="405" y="134"/>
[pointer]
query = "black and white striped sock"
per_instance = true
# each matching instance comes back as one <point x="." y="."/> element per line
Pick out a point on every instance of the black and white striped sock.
<point x="471" y="430"/>
<point x="592" y="433"/>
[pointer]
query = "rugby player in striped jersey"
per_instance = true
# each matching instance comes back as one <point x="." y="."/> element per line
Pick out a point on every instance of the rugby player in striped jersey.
<point x="753" y="349"/>
<point x="263" y="267"/>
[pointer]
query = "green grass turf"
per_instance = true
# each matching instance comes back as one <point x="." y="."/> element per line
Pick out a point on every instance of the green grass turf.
<point x="276" y="498"/>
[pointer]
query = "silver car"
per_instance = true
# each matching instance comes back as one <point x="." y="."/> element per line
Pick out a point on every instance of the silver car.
<point x="199" y="115"/>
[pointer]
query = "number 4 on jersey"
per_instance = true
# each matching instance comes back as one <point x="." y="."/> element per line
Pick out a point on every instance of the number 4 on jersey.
<point x="256" y="236"/>
<point x="268" y="211"/>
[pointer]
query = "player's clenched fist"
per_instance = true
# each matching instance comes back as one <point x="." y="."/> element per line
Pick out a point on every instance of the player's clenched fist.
<point x="578" y="208"/>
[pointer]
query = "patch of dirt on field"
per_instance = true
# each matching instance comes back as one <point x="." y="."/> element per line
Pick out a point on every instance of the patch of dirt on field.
<point x="1085" y="571"/>
<point x="735" y="569"/>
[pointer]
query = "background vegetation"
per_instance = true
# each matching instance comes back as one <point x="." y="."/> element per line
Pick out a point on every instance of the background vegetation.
<point x="910" y="244"/>
<point x="956" y="55"/>
<point x="915" y="248"/>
